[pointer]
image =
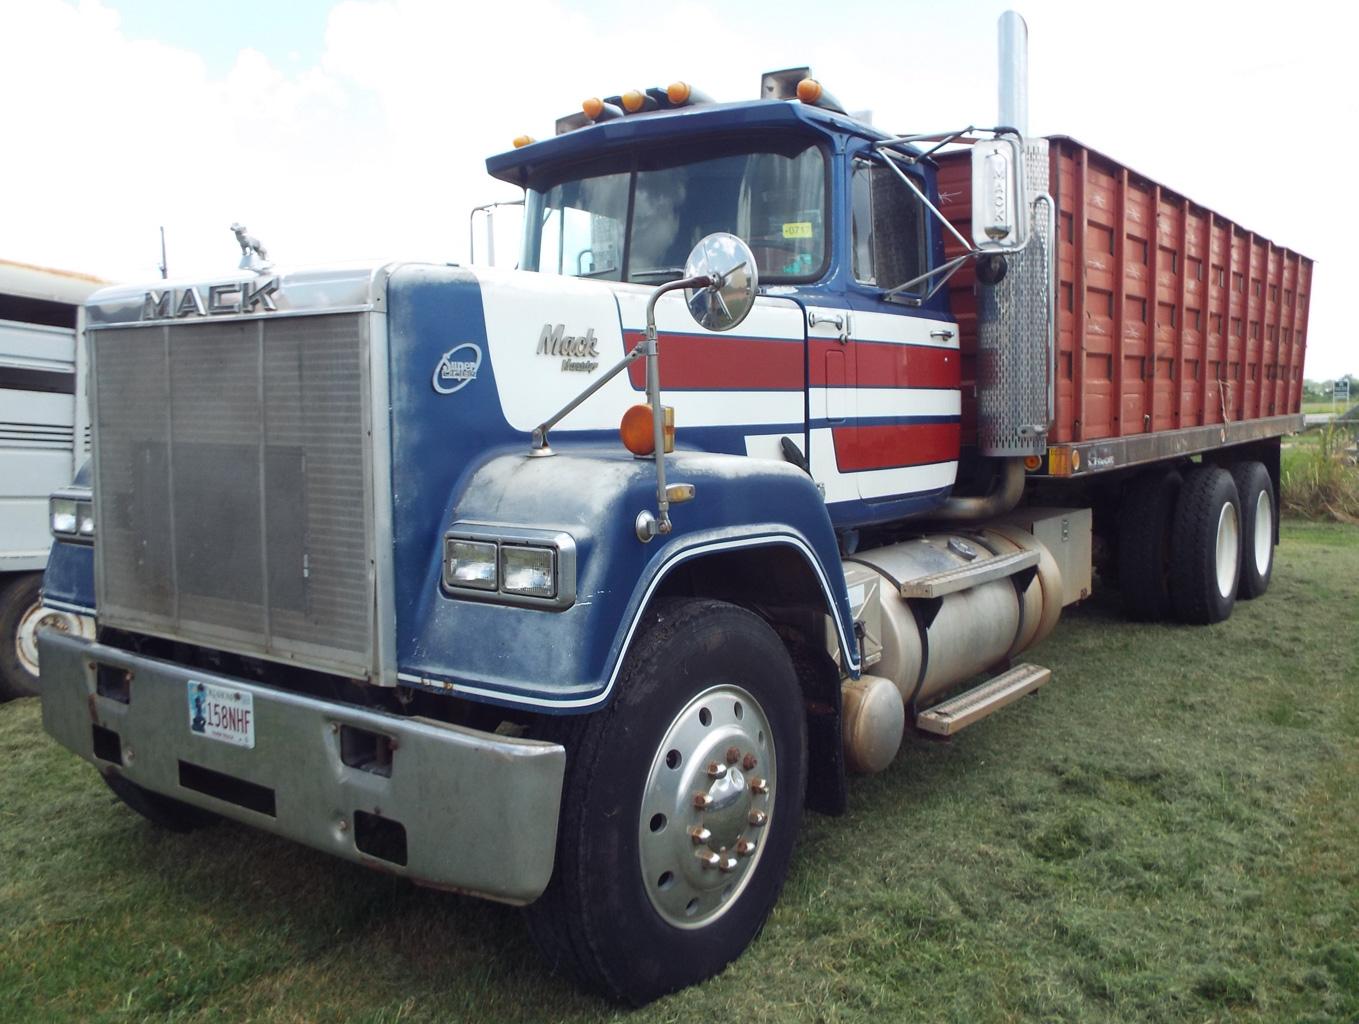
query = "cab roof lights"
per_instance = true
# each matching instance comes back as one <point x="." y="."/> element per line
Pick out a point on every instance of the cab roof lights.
<point x="788" y="84"/>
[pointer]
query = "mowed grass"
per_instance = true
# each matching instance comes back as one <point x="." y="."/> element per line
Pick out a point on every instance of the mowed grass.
<point x="1169" y="831"/>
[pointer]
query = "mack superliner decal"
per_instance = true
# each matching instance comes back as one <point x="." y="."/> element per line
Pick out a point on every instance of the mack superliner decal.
<point x="457" y="368"/>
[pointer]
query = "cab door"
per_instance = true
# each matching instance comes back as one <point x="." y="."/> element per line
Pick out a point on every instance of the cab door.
<point x="901" y="437"/>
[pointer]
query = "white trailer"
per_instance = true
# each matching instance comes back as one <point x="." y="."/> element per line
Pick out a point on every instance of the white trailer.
<point x="44" y="438"/>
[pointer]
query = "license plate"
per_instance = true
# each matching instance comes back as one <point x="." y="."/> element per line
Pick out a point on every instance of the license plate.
<point x="221" y="713"/>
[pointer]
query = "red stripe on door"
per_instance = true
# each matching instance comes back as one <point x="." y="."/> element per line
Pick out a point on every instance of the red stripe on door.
<point x="894" y="444"/>
<point x="700" y="362"/>
<point x="890" y="366"/>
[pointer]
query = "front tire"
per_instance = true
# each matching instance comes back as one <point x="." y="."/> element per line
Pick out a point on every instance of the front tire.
<point x="681" y="806"/>
<point x="162" y="811"/>
<point x="1205" y="547"/>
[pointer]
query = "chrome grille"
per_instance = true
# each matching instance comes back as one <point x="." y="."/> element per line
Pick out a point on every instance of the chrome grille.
<point x="233" y="485"/>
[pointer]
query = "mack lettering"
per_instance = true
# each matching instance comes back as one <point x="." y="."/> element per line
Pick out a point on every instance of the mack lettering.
<point x="554" y="341"/>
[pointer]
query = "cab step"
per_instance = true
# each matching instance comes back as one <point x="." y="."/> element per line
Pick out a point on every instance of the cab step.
<point x="961" y="711"/>
<point x="973" y="574"/>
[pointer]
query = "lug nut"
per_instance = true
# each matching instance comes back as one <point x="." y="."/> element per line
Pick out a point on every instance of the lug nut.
<point x="758" y="818"/>
<point x="702" y="800"/>
<point x="733" y="755"/>
<point x="699" y="835"/>
<point x="759" y="786"/>
<point x="745" y="847"/>
<point x="344" y="825"/>
<point x="728" y="864"/>
<point x="749" y="762"/>
<point x="717" y="770"/>
<point x="708" y="858"/>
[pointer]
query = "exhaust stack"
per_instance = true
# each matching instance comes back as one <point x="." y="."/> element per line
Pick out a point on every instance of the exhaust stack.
<point x="1014" y="72"/>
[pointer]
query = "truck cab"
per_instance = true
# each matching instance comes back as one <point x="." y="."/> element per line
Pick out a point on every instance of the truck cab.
<point x="835" y="368"/>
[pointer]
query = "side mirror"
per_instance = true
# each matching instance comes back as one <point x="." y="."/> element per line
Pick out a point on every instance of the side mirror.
<point x="727" y="259"/>
<point x="1000" y="208"/>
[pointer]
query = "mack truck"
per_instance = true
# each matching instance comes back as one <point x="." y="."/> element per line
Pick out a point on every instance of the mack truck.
<point x="571" y="586"/>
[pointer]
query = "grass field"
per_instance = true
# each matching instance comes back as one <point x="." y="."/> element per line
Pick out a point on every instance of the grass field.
<point x="1168" y="832"/>
<point x="1325" y="405"/>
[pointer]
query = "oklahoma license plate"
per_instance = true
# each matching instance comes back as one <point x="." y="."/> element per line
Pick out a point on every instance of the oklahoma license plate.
<point x="222" y="713"/>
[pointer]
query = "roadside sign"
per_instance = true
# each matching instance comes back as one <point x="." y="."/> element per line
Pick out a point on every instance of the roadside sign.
<point x="1342" y="390"/>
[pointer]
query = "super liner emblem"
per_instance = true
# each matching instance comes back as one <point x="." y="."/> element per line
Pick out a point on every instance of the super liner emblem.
<point x="457" y="368"/>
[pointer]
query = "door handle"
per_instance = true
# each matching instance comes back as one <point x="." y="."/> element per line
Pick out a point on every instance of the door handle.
<point x="941" y="334"/>
<point x="840" y="323"/>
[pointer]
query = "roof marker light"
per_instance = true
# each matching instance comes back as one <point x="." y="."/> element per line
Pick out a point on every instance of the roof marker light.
<point x="678" y="93"/>
<point x="596" y="109"/>
<point x="520" y="141"/>
<point x="813" y="93"/>
<point x="634" y="101"/>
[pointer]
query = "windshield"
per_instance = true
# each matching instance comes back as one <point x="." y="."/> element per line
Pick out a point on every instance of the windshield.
<point x="635" y="217"/>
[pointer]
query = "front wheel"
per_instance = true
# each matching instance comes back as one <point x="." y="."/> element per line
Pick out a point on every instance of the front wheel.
<point x="681" y="806"/>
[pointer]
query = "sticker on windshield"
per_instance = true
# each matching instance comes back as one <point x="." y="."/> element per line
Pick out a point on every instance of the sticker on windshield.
<point x="798" y="229"/>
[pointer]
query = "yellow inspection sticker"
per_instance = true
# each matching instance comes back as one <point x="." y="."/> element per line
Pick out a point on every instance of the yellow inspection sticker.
<point x="798" y="229"/>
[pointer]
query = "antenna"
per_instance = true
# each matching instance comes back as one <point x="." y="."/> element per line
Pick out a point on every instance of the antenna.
<point x="164" y="267"/>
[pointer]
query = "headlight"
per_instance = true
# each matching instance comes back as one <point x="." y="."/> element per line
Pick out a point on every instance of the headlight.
<point x="469" y="563"/>
<point x="70" y="515"/>
<point x="528" y="571"/>
<point x="62" y="515"/>
<point x="514" y="565"/>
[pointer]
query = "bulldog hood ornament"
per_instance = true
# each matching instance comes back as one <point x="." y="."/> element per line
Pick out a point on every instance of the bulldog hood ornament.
<point x="254" y="256"/>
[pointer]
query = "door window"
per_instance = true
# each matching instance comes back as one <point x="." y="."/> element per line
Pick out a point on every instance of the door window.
<point x="888" y="227"/>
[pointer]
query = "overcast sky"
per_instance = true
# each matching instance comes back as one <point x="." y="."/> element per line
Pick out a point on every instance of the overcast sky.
<point x="359" y="129"/>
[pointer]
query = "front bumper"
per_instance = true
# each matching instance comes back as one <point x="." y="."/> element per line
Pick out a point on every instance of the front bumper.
<point x="472" y="811"/>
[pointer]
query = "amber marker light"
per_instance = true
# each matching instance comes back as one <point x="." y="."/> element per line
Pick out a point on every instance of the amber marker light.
<point x="809" y="90"/>
<point x="634" y="100"/>
<point x="520" y="141"/>
<point x="678" y="93"/>
<point x="636" y="430"/>
<point x="639" y="434"/>
<point x="593" y="107"/>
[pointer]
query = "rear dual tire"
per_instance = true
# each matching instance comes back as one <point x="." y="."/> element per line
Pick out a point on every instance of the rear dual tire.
<point x="1258" y="506"/>
<point x="1145" y="524"/>
<point x="1205" y="547"/>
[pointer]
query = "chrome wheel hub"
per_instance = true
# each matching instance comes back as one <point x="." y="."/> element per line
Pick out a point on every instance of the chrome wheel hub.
<point x="708" y="800"/>
<point x="1228" y="549"/>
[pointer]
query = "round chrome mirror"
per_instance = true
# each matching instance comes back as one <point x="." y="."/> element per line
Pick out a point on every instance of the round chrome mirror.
<point x="721" y="307"/>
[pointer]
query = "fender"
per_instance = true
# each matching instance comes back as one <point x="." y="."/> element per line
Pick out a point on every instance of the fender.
<point x="567" y="661"/>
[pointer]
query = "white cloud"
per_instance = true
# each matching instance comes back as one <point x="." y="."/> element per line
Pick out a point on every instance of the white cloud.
<point x="377" y="149"/>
